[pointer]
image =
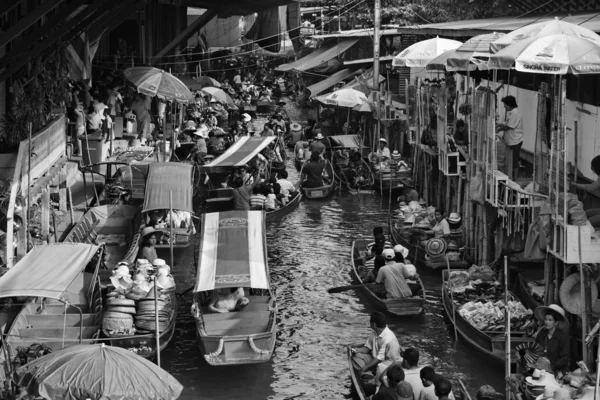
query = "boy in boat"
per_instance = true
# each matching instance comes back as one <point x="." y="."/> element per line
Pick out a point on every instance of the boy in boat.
<point x="287" y="187"/>
<point x="429" y="377"/>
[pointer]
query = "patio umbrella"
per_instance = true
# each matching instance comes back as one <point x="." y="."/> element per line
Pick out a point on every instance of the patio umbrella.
<point x="191" y="84"/>
<point x="219" y="95"/>
<point x="207" y="81"/>
<point x="440" y="63"/>
<point x="419" y="54"/>
<point x="554" y="54"/>
<point x="363" y="107"/>
<point x="97" y="371"/>
<point x="343" y="98"/>
<point x="156" y="82"/>
<point x="542" y="29"/>
<point x="477" y="46"/>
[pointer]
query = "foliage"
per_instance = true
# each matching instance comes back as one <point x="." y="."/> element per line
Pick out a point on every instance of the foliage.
<point x="33" y="99"/>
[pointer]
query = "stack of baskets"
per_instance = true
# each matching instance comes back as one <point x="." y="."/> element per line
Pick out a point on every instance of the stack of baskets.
<point x="118" y="318"/>
<point x="145" y="317"/>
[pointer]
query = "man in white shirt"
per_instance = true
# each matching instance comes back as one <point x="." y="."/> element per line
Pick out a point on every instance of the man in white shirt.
<point x="411" y="371"/>
<point x="512" y="130"/>
<point x="382" y="154"/>
<point x="380" y="350"/>
<point x="287" y="187"/>
<point x="428" y="377"/>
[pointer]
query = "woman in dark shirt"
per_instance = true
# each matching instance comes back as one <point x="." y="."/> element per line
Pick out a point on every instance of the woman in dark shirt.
<point x="554" y="341"/>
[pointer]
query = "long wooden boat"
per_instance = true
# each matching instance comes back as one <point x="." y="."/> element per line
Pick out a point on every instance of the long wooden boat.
<point x="525" y="294"/>
<point x="356" y="381"/>
<point x="399" y="307"/>
<point x="292" y="204"/>
<point x="493" y="343"/>
<point x="322" y="191"/>
<point x="118" y="229"/>
<point x="237" y="337"/>
<point x="63" y="309"/>
<point x="411" y="238"/>
<point x="385" y="185"/>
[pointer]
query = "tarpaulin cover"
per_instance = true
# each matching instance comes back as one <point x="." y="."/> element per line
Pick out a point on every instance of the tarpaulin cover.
<point x="232" y="251"/>
<point x="322" y="54"/>
<point x="164" y="178"/>
<point x="47" y="271"/>
<point x="96" y="371"/>
<point x="345" y="141"/>
<point x="329" y="82"/>
<point x="241" y="152"/>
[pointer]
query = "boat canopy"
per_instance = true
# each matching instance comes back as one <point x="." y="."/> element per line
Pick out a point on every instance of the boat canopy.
<point x="232" y="251"/>
<point x="164" y="178"/>
<point x="241" y="152"/>
<point x="47" y="271"/>
<point x="345" y="141"/>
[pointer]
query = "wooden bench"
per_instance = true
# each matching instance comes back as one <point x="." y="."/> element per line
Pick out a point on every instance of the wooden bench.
<point x="239" y="326"/>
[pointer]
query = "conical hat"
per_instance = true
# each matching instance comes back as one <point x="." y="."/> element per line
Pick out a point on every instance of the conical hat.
<point x="435" y="247"/>
<point x="570" y="294"/>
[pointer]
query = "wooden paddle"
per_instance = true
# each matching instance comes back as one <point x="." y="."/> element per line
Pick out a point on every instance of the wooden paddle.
<point x="349" y="287"/>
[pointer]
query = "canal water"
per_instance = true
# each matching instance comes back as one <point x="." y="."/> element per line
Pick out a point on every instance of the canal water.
<point x="310" y="251"/>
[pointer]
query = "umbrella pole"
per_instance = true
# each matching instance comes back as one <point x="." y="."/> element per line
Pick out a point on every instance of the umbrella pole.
<point x="171" y="227"/>
<point x="157" y="334"/>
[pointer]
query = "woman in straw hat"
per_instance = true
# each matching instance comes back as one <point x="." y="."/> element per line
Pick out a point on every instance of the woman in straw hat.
<point x="150" y="237"/>
<point x="554" y="341"/>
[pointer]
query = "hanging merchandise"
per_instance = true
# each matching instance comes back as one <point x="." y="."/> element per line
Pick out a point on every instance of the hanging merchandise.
<point x="476" y="188"/>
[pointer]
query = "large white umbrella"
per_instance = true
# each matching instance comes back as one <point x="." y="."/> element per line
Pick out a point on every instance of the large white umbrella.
<point x="419" y="54"/>
<point x="474" y="48"/>
<point x="219" y="95"/>
<point x="554" y="54"/>
<point x="343" y="98"/>
<point x="543" y="29"/>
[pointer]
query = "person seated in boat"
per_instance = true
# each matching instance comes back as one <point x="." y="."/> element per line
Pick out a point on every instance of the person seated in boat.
<point x="317" y="146"/>
<point x="157" y="218"/>
<point x="243" y="173"/>
<point x="441" y="229"/>
<point x="258" y="198"/>
<point x="381" y="347"/>
<point x="287" y="187"/>
<point x="301" y="151"/>
<point x="312" y="172"/>
<point x="150" y="237"/>
<point x="395" y="375"/>
<point x="227" y="300"/>
<point x="392" y="276"/>
<point x="264" y="97"/>
<point x="382" y="155"/>
<point x="369" y="276"/>
<point x="271" y="198"/>
<point x="281" y="200"/>
<point x="273" y="152"/>
<point x="429" y="378"/>
<point x="554" y="339"/>
<point x="279" y="124"/>
<point x="410" y="366"/>
<point x="267" y="130"/>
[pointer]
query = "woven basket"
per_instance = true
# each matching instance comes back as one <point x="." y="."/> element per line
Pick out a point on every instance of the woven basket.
<point x="120" y="301"/>
<point x="122" y="309"/>
<point x="111" y="323"/>
<point x="151" y="326"/>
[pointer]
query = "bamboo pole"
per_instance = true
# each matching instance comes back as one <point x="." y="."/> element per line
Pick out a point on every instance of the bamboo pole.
<point x="157" y="331"/>
<point x="507" y="327"/>
<point x="171" y="237"/>
<point x="26" y="219"/>
<point x="584" y="320"/>
<point x="451" y="301"/>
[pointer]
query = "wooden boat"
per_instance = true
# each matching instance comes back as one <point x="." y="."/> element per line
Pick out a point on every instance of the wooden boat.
<point x="356" y="381"/>
<point x="491" y="343"/>
<point x="276" y="167"/>
<point x="322" y="191"/>
<point x="356" y="176"/>
<point x="525" y="294"/>
<point x="63" y="309"/>
<point x="298" y="164"/>
<point x="292" y="204"/>
<point x="384" y="183"/>
<point x="237" y="337"/>
<point x="265" y="107"/>
<point x="411" y="239"/>
<point x="399" y="307"/>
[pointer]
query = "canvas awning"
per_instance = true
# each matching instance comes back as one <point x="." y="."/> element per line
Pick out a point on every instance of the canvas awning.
<point x="241" y="152"/>
<point x="232" y="251"/>
<point x="322" y="54"/>
<point x="165" y="178"/>
<point x="345" y="141"/>
<point x="325" y="84"/>
<point x="47" y="271"/>
<point x="368" y="60"/>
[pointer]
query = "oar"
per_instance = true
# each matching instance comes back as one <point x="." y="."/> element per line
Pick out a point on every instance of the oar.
<point x="349" y="287"/>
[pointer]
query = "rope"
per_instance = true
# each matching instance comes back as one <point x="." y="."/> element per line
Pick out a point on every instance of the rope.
<point x="256" y="349"/>
<point x="215" y="353"/>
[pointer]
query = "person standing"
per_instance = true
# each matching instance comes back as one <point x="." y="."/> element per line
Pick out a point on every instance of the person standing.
<point x="142" y="117"/>
<point x="379" y="351"/>
<point x="512" y="129"/>
<point x="317" y="146"/>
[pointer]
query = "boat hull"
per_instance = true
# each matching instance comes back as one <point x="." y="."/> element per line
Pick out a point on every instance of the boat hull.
<point x="356" y="382"/>
<point x="291" y="205"/>
<point x="398" y="307"/>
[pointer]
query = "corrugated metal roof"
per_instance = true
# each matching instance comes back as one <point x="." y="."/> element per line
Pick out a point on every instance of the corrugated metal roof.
<point x="466" y="28"/>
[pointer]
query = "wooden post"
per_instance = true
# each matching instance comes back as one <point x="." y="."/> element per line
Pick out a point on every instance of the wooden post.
<point x="171" y="237"/>
<point x="71" y="207"/>
<point x="45" y="213"/>
<point x="62" y="190"/>
<point x="507" y="328"/>
<point x="157" y="331"/>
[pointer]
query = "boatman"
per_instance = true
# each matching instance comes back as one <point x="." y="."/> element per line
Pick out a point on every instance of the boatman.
<point x="317" y="146"/>
<point x="392" y="276"/>
<point x="382" y="154"/>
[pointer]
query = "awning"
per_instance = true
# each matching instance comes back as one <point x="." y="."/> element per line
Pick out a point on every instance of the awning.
<point x="232" y="251"/>
<point x="345" y="141"/>
<point x="322" y="54"/>
<point x="467" y="28"/>
<point x="165" y="178"/>
<point x="47" y="271"/>
<point x="368" y="60"/>
<point x="241" y="152"/>
<point x="325" y="84"/>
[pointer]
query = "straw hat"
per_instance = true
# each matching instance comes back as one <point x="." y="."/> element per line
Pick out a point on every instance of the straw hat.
<point x="189" y="125"/>
<point x="319" y="136"/>
<point x="294" y="126"/>
<point x="401" y="249"/>
<point x="435" y="247"/>
<point x="383" y="140"/>
<point x="246" y="117"/>
<point x="541" y="379"/>
<point x="395" y="155"/>
<point x="454" y="218"/>
<point x="570" y="294"/>
<point x="540" y="313"/>
<point x="159" y="262"/>
<point x="149" y="231"/>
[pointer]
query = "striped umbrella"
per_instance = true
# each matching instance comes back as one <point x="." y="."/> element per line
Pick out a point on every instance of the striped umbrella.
<point x="476" y="47"/>
<point x="156" y="82"/>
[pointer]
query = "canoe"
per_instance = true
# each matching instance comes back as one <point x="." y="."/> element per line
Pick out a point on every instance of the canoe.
<point x="411" y="238"/>
<point x="292" y="204"/>
<point x="63" y="309"/>
<point x="398" y="307"/>
<point x="525" y="294"/>
<point x="232" y="254"/>
<point x="356" y="382"/>
<point x="490" y="343"/>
